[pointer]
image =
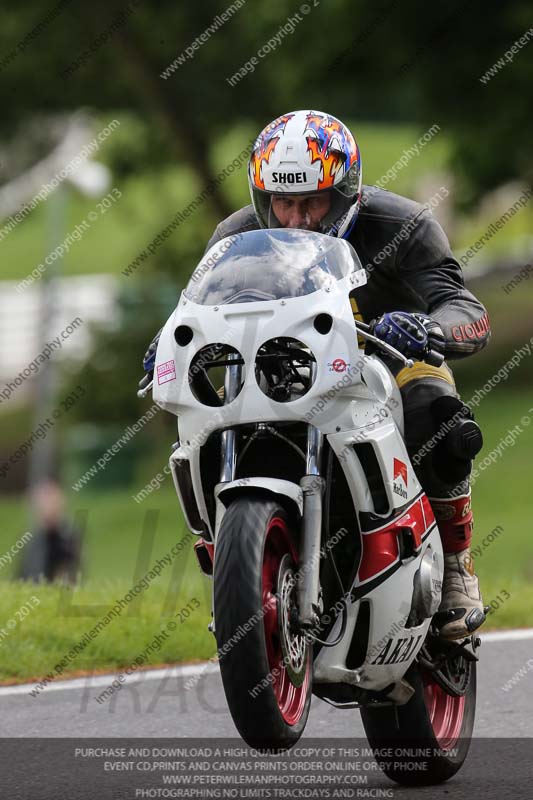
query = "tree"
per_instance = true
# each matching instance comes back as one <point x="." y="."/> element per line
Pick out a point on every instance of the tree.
<point x="394" y="61"/>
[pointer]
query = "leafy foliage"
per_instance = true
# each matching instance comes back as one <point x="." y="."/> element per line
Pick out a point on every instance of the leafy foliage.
<point x="402" y="61"/>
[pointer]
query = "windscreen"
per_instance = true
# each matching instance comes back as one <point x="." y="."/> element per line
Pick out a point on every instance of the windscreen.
<point x="270" y="265"/>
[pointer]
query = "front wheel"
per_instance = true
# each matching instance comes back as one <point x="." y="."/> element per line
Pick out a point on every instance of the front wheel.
<point x="425" y="741"/>
<point x="265" y="666"/>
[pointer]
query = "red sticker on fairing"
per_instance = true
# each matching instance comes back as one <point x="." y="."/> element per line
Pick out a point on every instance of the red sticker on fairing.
<point x="400" y="470"/>
<point x="166" y="372"/>
<point x="338" y="365"/>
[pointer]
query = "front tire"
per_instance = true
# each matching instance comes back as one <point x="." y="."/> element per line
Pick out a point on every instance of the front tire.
<point x="265" y="667"/>
<point x="429" y="737"/>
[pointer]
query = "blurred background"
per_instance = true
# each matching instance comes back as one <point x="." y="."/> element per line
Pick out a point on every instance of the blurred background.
<point x="115" y="118"/>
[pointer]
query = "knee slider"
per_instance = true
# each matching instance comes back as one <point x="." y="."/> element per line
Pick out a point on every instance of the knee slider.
<point x="460" y="437"/>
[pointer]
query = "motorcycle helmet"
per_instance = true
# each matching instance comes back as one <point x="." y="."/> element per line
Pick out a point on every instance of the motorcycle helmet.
<point x="305" y="152"/>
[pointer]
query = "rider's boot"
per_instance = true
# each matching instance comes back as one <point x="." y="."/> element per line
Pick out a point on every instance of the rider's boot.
<point x="461" y="610"/>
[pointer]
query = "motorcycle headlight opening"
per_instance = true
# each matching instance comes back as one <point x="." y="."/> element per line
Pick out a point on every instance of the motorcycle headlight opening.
<point x="216" y="374"/>
<point x="285" y="369"/>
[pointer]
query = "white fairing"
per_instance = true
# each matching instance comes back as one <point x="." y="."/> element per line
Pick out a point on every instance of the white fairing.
<point x="345" y="408"/>
<point x="246" y="327"/>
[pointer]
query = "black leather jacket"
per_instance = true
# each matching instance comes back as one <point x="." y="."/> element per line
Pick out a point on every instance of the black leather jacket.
<point x="410" y="267"/>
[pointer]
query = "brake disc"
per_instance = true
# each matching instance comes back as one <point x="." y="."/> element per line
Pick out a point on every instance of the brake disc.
<point x="293" y="645"/>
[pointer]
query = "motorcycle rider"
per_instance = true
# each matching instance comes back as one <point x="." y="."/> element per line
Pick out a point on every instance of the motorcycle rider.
<point x="305" y="172"/>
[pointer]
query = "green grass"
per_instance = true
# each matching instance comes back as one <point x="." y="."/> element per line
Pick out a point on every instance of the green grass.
<point x="117" y="552"/>
<point x="48" y="632"/>
<point x="383" y="145"/>
<point x="113" y="240"/>
<point x="122" y="540"/>
<point x="501" y="496"/>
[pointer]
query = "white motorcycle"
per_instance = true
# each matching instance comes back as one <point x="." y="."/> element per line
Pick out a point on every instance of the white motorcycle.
<point x="292" y="471"/>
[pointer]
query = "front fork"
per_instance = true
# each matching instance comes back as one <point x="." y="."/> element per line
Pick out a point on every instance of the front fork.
<point x="312" y="485"/>
<point x="228" y="464"/>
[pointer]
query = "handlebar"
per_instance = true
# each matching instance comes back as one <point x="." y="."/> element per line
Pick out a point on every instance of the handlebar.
<point x="432" y="357"/>
<point x="145" y="384"/>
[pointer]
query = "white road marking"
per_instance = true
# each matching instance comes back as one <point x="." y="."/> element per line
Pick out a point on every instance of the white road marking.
<point x="507" y="636"/>
<point x="205" y="667"/>
<point x="185" y="671"/>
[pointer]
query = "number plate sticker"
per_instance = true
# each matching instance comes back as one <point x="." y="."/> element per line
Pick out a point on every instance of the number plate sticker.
<point x="166" y="372"/>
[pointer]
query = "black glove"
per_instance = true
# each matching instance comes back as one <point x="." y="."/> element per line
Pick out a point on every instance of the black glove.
<point x="436" y="340"/>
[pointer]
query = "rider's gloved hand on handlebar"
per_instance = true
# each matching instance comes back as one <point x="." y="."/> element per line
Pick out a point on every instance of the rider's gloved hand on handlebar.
<point x="149" y="356"/>
<point x="414" y="335"/>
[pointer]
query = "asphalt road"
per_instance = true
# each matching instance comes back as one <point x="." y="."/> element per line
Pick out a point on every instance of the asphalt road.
<point x="156" y="705"/>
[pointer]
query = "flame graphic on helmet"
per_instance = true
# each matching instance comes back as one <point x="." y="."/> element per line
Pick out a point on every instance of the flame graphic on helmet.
<point x="264" y="147"/>
<point x="331" y="144"/>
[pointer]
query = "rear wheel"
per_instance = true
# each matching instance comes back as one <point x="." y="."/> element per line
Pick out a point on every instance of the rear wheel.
<point x="265" y="665"/>
<point x="426" y="741"/>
